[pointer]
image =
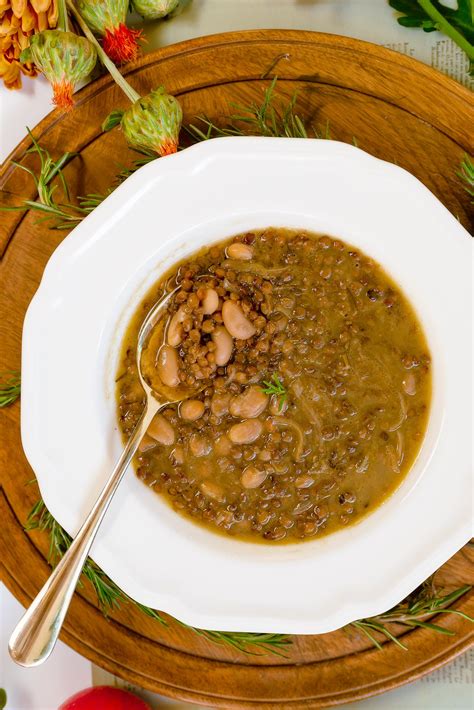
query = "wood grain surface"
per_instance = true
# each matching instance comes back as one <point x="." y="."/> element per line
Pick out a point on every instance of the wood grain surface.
<point x="396" y="109"/>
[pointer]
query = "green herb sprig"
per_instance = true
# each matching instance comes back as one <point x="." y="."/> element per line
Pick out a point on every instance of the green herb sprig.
<point x="413" y="613"/>
<point x="274" y="644"/>
<point x="110" y="596"/>
<point x="275" y="386"/>
<point x="273" y="117"/>
<point x="431" y="15"/>
<point x="10" y="387"/>
<point x="466" y="173"/>
<point x="64" y="215"/>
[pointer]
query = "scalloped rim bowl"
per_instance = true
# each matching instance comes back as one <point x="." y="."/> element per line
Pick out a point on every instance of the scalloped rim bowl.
<point x="71" y="339"/>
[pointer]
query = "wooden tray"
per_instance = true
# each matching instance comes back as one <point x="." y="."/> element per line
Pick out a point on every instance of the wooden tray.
<point x="397" y="109"/>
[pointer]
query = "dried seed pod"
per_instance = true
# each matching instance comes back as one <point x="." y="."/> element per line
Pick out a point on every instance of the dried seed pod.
<point x="64" y="58"/>
<point x="153" y="122"/>
<point x="154" y="9"/>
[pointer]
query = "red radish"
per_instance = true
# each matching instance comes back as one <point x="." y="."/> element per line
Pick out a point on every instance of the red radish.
<point x="103" y="697"/>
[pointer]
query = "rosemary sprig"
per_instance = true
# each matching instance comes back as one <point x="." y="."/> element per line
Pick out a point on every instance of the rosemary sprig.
<point x="64" y="215"/>
<point x="266" y="119"/>
<point x="10" y="387"/>
<point x="49" y="177"/>
<point x="109" y="595"/>
<point x="275" y="386"/>
<point x="466" y="173"/>
<point x="413" y="613"/>
<point x="273" y="644"/>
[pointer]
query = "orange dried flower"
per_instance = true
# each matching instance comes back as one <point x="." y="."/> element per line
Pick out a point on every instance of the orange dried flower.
<point x="19" y="20"/>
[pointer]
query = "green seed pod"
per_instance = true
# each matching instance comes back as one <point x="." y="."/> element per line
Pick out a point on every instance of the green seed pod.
<point x="101" y="15"/>
<point x="107" y="19"/>
<point x="153" y="123"/>
<point x="65" y="59"/>
<point x="154" y="9"/>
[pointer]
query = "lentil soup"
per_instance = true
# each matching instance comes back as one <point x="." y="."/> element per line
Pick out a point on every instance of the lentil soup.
<point x="313" y="383"/>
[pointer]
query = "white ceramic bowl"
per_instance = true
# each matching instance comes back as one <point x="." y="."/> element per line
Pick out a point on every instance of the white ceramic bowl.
<point x="75" y="324"/>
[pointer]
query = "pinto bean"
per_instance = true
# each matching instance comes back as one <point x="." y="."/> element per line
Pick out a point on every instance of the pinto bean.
<point x="409" y="384"/>
<point x="253" y="477"/>
<point x="199" y="445"/>
<point x="174" y="334"/>
<point x="239" y="251"/>
<point x="161" y="430"/>
<point x="224" y="345"/>
<point x="191" y="409"/>
<point x="146" y="443"/>
<point x="178" y="455"/>
<point x="223" y="446"/>
<point x="302" y="507"/>
<point x="304" y="481"/>
<point x="210" y="302"/>
<point x="245" y="432"/>
<point x="249" y="404"/>
<point x="220" y="403"/>
<point x="168" y="366"/>
<point x="277" y="406"/>
<point x="236" y="323"/>
<point x="212" y="490"/>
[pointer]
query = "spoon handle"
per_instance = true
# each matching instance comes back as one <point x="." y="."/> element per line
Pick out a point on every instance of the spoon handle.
<point x="37" y="631"/>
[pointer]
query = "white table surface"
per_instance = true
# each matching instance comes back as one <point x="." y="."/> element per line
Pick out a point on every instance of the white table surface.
<point x="66" y="672"/>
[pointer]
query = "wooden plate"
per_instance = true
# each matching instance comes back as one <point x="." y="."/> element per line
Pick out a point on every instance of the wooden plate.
<point x="396" y="109"/>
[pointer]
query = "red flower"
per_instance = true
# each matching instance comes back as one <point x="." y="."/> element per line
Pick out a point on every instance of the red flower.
<point x="121" y="43"/>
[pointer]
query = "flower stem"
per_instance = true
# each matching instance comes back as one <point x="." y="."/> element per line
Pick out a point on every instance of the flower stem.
<point x="446" y="28"/>
<point x="128" y="90"/>
<point x="63" y="20"/>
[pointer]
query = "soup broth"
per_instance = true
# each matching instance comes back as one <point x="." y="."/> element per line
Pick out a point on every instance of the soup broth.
<point x="313" y="386"/>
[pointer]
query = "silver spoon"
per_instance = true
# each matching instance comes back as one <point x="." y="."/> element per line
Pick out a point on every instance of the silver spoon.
<point x="37" y="631"/>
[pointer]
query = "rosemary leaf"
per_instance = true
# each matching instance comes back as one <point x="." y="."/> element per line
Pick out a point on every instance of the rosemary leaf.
<point x="428" y="625"/>
<point x="150" y="612"/>
<point x="275" y="386"/>
<point x="366" y="624"/>
<point x="466" y="173"/>
<point x="360" y="626"/>
<point x="10" y="387"/>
